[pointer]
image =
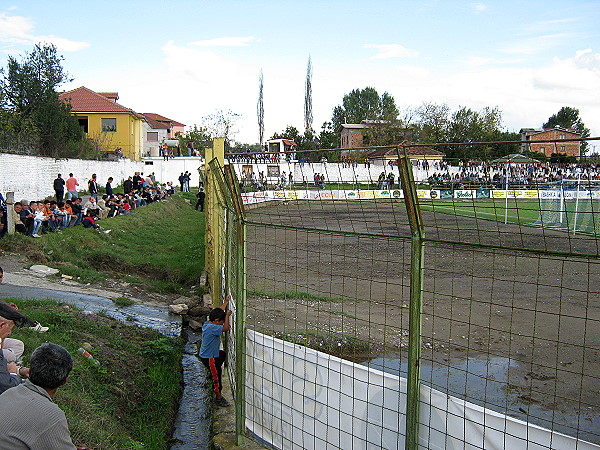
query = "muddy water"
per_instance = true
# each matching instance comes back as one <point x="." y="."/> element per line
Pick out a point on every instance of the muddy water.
<point x="484" y="382"/>
<point x="192" y="427"/>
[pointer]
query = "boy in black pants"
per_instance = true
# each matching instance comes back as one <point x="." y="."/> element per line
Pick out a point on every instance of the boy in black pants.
<point x="210" y="354"/>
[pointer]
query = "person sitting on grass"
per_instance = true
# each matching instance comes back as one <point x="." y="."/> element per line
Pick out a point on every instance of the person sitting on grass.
<point x="19" y="319"/>
<point x="11" y="374"/>
<point x="28" y="416"/>
<point x="89" y="222"/>
<point x="210" y="353"/>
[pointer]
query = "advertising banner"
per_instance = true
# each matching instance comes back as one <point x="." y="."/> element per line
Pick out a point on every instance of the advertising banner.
<point x="464" y="193"/>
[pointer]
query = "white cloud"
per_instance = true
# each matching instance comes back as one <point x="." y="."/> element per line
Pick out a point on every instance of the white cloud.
<point x="18" y="30"/>
<point x="225" y="42"/>
<point x="479" y="7"/>
<point x="474" y="61"/>
<point x="386" y="51"/>
<point x="536" y="44"/>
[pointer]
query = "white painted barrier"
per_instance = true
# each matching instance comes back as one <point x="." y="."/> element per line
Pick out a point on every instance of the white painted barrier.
<point x="299" y="398"/>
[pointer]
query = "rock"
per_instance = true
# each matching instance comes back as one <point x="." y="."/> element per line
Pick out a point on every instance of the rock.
<point x="66" y="277"/>
<point x="195" y="325"/>
<point x="180" y="308"/>
<point x="199" y="311"/>
<point x="189" y="301"/>
<point x="207" y="300"/>
<point x="44" y="270"/>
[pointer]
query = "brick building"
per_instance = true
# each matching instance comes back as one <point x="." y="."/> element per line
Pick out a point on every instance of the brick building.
<point x="535" y="138"/>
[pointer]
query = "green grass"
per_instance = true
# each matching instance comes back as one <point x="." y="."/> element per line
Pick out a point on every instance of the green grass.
<point x="127" y="401"/>
<point x="337" y="344"/>
<point x="160" y="245"/>
<point x="519" y="211"/>
<point x="123" y="301"/>
<point x="295" y="295"/>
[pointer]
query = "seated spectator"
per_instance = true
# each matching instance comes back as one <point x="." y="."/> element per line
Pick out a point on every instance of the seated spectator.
<point x="38" y="219"/>
<point x="28" y="416"/>
<point x="69" y="210"/>
<point x="26" y="215"/>
<point x="104" y="209"/>
<point x="3" y="225"/>
<point x="19" y="225"/>
<point x="77" y="209"/>
<point x="51" y="223"/>
<point x="91" y="205"/>
<point x="89" y="222"/>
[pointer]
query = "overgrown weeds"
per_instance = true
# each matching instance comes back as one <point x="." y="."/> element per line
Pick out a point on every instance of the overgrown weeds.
<point x="127" y="401"/>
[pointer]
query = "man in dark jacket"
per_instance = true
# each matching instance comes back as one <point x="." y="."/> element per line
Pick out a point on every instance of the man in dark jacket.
<point x="201" y="196"/>
<point x="59" y="188"/>
<point x="109" y="190"/>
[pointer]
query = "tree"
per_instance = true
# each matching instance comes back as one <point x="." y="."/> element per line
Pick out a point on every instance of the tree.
<point x="260" y="110"/>
<point x="199" y="136"/>
<point x="308" y="113"/>
<point x="364" y="104"/>
<point x="568" y="118"/>
<point x="28" y="89"/>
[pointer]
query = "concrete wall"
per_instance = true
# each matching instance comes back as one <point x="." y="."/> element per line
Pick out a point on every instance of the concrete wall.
<point x="31" y="177"/>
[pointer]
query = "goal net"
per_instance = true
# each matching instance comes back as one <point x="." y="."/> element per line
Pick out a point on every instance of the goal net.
<point x="570" y="205"/>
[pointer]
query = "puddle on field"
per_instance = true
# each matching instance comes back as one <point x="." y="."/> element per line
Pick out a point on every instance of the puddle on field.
<point x="484" y="382"/>
<point x="192" y="426"/>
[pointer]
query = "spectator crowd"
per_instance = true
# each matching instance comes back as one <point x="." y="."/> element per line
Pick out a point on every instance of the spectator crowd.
<point x="67" y="208"/>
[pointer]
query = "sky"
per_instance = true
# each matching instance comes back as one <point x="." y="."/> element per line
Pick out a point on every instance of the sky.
<point x="188" y="59"/>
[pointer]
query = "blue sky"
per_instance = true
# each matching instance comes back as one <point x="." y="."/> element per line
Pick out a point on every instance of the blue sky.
<point x="186" y="59"/>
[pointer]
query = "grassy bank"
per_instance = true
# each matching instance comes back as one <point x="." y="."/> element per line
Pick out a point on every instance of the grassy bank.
<point x="160" y="246"/>
<point x="129" y="400"/>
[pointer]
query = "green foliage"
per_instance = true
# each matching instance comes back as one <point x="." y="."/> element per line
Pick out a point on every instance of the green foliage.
<point x="199" y="136"/>
<point x="568" y="118"/>
<point x="536" y="155"/>
<point x="123" y="301"/>
<point x="364" y="104"/>
<point x="28" y="91"/>
<point x="436" y="124"/>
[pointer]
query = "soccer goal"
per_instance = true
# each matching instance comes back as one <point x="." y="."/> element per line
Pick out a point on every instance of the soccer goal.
<point x="570" y="205"/>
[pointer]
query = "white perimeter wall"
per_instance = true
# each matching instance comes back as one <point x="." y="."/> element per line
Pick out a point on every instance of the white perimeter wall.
<point x="32" y="177"/>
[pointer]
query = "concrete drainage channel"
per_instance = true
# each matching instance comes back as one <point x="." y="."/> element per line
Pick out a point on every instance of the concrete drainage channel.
<point x="193" y="421"/>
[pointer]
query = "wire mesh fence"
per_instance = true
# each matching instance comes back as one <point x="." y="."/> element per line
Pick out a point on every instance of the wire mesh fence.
<point x="507" y="347"/>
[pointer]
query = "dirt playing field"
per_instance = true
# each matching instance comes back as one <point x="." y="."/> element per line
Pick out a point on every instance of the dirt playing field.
<point x="534" y="315"/>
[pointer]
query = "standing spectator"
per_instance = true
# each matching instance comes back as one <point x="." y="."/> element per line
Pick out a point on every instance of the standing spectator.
<point x="109" y="190"/>
<point x="59" y="188"/>
<point x="71" y="184"/>
<point x="128" y="185"/>
<point x="93" y="186"/>
<point x="181" y="181"/>
<point x="201" y="196"/>
<point x="186" y="181"/>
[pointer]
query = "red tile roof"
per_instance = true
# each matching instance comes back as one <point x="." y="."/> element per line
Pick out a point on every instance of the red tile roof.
<point x="159" y="118"/>
<point x="155" y="123"/>
<point x="85" y="100"/>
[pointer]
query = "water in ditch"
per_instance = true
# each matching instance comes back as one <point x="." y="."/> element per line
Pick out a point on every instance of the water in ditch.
<point x="192" y="426"/>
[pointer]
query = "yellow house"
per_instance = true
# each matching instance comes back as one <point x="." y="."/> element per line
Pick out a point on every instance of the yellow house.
<point x="108" y="123"/>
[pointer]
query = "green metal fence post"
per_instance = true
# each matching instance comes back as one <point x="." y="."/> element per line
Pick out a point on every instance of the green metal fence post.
<point x="416" y="302"/>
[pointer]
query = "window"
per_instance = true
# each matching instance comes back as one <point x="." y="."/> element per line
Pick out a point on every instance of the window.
<point x="83" y="123"/>
<point x="543" y="149"/>
<point x="562" y="148"/>
<point x="109" y="125"/>
<point x="153" y="136"/>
